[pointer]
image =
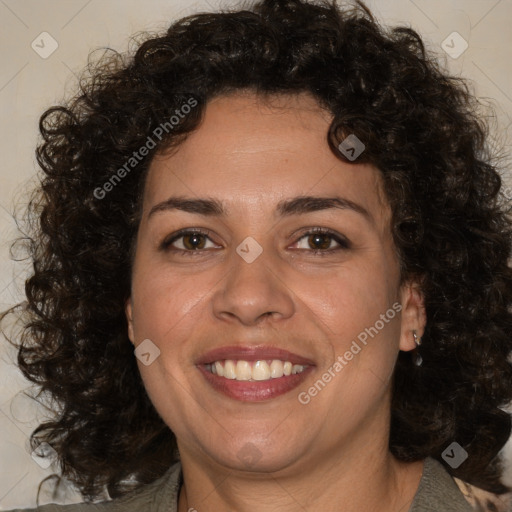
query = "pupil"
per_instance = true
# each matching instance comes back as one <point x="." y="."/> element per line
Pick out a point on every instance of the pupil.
<point x="315" y="238"/>
<point x="195" y="244"/>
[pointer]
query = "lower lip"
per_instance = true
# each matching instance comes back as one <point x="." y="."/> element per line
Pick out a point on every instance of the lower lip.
<point x="255" y="391"/>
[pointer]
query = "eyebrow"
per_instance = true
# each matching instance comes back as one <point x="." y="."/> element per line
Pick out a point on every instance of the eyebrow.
<point x="285" y="208"/>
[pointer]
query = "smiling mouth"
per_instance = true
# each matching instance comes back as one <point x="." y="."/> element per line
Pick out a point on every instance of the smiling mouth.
<point x="237" y="380"/>
<point x="260" y="370"/>
<point x="253" y="373"/>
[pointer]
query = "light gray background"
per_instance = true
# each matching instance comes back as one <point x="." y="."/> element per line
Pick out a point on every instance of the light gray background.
<point x="29" y="84"/>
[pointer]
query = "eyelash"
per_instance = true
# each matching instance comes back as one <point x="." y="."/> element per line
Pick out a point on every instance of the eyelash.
<point x="344" y="244"/>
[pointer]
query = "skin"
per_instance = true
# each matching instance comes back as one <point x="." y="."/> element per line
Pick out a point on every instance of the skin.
<point x="251" y="153"/>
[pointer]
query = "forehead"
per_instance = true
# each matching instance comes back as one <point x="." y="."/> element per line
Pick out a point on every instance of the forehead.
<point x="254" y="151"/>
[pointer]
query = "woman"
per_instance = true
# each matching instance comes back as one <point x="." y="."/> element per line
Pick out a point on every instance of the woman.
<point x="271" y="274"/>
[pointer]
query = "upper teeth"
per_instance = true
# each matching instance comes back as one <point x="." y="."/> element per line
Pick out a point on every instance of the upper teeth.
<point x="254" y="370"/>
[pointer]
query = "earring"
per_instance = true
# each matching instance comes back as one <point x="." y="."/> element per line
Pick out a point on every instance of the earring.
<point x="418" y="360"/>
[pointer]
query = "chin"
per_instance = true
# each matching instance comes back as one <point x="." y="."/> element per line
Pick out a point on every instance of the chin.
<point x="256" y="456"/>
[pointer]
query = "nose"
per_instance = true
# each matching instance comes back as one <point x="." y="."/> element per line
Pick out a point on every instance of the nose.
<point x="252" y="292"/>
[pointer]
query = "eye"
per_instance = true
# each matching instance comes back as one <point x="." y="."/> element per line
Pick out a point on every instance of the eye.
<point x="322" y="241"/>
<point x="188" y="241"/>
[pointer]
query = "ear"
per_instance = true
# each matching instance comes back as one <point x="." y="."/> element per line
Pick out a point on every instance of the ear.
<point x="129" y="316"/>
<point x="414" y="316"/>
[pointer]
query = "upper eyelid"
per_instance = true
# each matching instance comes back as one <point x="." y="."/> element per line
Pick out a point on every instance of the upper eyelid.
<point x="187" y="231"/>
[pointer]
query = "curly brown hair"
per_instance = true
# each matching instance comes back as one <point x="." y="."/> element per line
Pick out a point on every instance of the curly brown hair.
<point x="421" y="128"/>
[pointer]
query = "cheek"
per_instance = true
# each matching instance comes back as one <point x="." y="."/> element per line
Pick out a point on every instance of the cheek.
<point x="349" y="300"/>
<point x="358" y="310"/>
<point x="362" y="326"/>
<point x="167" y="310"/>
<point x="164" y="299"/>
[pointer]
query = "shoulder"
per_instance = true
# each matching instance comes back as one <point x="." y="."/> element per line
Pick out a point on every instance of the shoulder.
<point x="64" y="508"/>
<point x="77" y="507"/>
<point x="159" y="496"/>
<point x="484" y="501"/>
<point x="438" y="490"/>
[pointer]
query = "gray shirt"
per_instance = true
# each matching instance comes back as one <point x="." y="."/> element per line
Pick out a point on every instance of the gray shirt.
<point x="437" y="492"/>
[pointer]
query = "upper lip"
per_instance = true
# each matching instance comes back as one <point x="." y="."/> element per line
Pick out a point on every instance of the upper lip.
<point x="251" y="353"/>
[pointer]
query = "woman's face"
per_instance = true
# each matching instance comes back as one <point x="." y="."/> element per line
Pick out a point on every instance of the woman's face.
<point x="258" y="284"/>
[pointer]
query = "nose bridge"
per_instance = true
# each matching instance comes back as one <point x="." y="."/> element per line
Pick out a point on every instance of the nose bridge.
<point x="253" y="287"/>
